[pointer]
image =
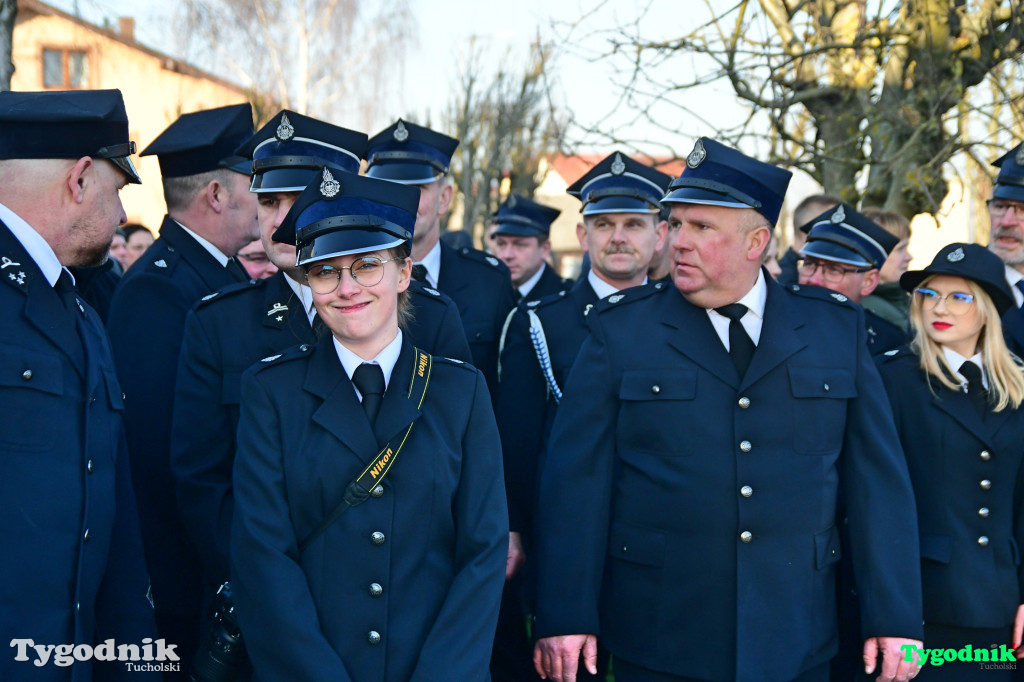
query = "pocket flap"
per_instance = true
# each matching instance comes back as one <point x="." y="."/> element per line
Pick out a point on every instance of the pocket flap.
<point x="827" y="549"/>
<point x="21" y="368"/>
<point x="821" y="382"/>
<point x="658" y="384"/>
<point x="637" y="545"/>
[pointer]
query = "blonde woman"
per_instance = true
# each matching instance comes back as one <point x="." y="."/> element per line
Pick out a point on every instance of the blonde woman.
<point x="956" y="395"/>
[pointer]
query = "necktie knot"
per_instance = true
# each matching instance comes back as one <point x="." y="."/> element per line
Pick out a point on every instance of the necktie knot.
<point x="734" y="311"/>
<point x="369" y="379"/>
<point x="419" y="272"/>
<point x="741" y="347"/>
<point x="975" y="388"/>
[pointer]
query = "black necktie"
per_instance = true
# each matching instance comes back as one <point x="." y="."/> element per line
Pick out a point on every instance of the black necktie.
<point x="419" y="273"/>
<point x="369" y="379"/>
<point x="975" y="389"/>
<point x="741" y="348"/>
<point x="237" y="270"/>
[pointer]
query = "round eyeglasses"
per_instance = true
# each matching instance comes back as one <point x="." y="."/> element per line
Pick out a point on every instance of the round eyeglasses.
<point x="831" y="272"/>
<point x="366" y="271"/>
<point x="957" y="303"/>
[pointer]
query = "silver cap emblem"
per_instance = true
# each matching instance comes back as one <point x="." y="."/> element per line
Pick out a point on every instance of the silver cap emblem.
<point x="285" y="131"/>
<point x="839" y="216"/>
<point x="330" y="187"/>
<point x="401" y="133"/>
<point x="511" y="203"/>
<point x="697" y="156"/>
<point x="618" y="165"/>
<point x="956" y="256"/>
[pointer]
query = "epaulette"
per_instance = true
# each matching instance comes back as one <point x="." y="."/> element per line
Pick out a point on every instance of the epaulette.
<point x="904" y="352"/>
<point x="544" y="301"/>
<point x="454" y="362"/>
<point x="230" y="290"/>
<point x="821" y="294"/>
<point x="630" y="295"/>
<point x="293" y="353"/>
<point x="491" y="261"/>
<point x="428" y="293"/>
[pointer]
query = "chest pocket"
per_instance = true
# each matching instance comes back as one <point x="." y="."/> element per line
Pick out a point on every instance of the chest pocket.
<point x="819" y="408"/>
<point x="31" y="392"/>
<point x="652" y="405"/>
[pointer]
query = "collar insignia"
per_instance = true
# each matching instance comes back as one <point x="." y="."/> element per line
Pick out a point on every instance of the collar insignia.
<point x="432" y="292"/>
<point x="401" y="133"/>
<point x="271" y="358"/>
<point x="277" y="308"/>
<point x="839" y="297"/>
<point x="956" y="256"/>
<point x="586" y="309"/>
<point x="285" y="130"/>
<point x="616" y="298"/>
<point x="492" y="260"/>
<point x="330" y="187"/>
<point x="697" y="156"/>
<point x="7" y="263"/>
<point x="618" y="165"/>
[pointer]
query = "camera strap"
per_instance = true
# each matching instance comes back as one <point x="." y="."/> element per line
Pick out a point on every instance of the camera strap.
<point x="358" y="490"/>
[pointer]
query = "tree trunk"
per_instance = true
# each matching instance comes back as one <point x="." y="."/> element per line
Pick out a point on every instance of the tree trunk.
<point x="8" y="12"/>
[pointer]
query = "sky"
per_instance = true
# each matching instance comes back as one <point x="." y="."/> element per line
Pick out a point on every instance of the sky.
<point x="585" y="86"/>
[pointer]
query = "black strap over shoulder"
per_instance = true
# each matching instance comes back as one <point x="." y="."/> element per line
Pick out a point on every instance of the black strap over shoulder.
<point x="358" y="490"/>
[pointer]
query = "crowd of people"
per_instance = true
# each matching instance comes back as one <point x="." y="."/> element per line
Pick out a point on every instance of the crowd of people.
<point x="300" y="436"/>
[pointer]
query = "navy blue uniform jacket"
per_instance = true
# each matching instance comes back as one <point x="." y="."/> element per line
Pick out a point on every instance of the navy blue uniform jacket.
<point x="224" y="335"/>
<point x="146" y="324"/>
<point x="662" y="458"/>
<point x="950" y="450"/>
<point x="481" y="287"/>
<point x="72" y="563"/>
<point x="524" y="406"/>
<point x="439" y="558"/>
<point x="549" y="284"/>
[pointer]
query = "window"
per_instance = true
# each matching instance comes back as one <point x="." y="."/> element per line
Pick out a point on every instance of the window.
<point x="65" y="68"/>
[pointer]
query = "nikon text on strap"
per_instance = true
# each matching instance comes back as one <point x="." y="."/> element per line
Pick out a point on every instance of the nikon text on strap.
<point x="358" y="490"/>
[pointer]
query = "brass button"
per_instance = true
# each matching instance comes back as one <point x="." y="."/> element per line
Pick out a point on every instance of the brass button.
<point x="746" y="491"/>
<point x="985" y="484"/>
<point x="983" y="512"/>
<point x="378" y="491"/>
<point x="377" y="538"/>
<point x="373" y="637"/>
<point x="985" y="455"/>
<point x="746" y="536"/>
<point x="745" y="446"/>
<point x="826" y="388"/>
<point x="744" y="402"/>
<point x="983" y="541"/>
<point x="88" y="466"/>
<point x="655" y="389"/>
<point x="376" y="590"/>
<point x="26" y="375"/>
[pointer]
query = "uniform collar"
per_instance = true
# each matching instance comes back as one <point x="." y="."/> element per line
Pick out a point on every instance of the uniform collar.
<point x="955" y="360"/>
<point x="37" y="247"/>
<point x="387" y="359"/>
<point x="601" y="287"/>
<point x="1012" y="277"/>
<point x="526" y="287"/>
<point x="304" y="294"/>
<point x="432" y="262"/>
<point x="213" y="250"/>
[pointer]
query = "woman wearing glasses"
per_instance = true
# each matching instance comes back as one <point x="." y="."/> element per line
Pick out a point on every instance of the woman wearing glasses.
<point x="956" y="395"/>
<point x="370" y="528"/>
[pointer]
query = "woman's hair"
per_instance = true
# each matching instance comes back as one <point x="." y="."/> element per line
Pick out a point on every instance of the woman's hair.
<point x="1005" y="379"/>
<point x="894" y="223"/>
<point x="406" y="314"/>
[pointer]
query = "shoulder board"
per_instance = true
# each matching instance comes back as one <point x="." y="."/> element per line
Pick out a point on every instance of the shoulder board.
<point x="294" y="353"/>
<point x="454" y="362"/>
<point x="631" y="295"/>
<point x="821" y="294"/>
<point x="545" y="301"/>
<point x="425" y="292"/>
<point x="230" y="290"/>
<point x="474" y="255"/>
<point x="903" y="353"/>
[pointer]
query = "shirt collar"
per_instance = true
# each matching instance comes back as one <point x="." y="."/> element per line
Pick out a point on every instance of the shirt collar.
<point x="601" y="287"/>
<point x="955" y="360"/>
<point x="1012" y="277"/>
<point x="213" y="250"/>
<point x="527" y="286"/>
<point x="432" y="262"/>
<point x="387" y="359"/>
<point x="38" y="249"/>
<point x="304" y="294"/>
<point x="754" y="299"/>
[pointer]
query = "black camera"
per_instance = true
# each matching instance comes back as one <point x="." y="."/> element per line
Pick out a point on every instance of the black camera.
<point x="221" y="656"/>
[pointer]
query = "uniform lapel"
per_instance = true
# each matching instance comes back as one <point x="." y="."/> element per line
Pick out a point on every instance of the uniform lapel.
<point x="399" y="408"/>
<point x="780" y="336"/>
<point x="213" y="274"/>
<point x="958" y="406"/>
<point x="284" y="310"/>
<point x="340" y="413"/>
<point x="695" y="338"/>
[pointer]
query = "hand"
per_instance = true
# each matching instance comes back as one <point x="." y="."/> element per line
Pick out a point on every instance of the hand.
<point x="557" y="658"/>
<point x="895" y="667"/>
<point x="1018" y="633"/>
<point x="516" y="555"/>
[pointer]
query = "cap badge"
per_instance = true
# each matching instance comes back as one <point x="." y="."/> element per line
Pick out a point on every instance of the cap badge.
<point x="839" y="216"/>
<point x="618" y="165"/>
<point x="1019" y="156"/>
<point x="401" y="133"/>
<point x="956" y="256"/>
<point x="330" y="187"/>
<point x="511" y="203"/>
<point x="697" y="156"/>
<point x="285" y="131"/>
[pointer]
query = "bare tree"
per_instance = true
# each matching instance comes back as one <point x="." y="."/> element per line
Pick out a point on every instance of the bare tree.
<point x="506" y="123"/>
<point x="8" y="12"/>
<point x="867" y="96"/>
<point x="326" y="58"/>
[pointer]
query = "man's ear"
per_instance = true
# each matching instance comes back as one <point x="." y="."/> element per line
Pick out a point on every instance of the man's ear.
<point x="581" y="234"/>
<point x="80" y="177"/>
<point x="447" y="192"/>
<point x="870" y="282"/>
<point x="216" y="195"/>
<point x="758" y="241"/>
